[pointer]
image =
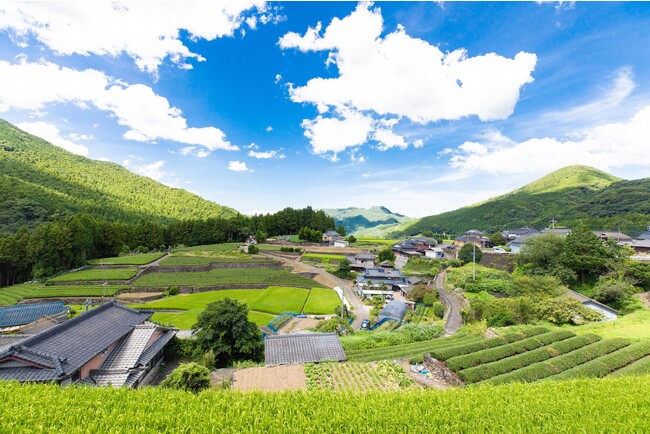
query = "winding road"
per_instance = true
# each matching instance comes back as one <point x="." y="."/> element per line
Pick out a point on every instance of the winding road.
<point x="452" y="304"/>
<point x="361" y="310"/>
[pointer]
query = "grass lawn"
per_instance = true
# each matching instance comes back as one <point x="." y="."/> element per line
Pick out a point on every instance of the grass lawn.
<point x="634" y="326"/>
<point x="322" y="301"/>
<point x="88" y="275"/>
<point x="186" y="319"/>
<point x="277" y="299"/>
<point x="141" y="259"/>
<point x="225" y="276"/>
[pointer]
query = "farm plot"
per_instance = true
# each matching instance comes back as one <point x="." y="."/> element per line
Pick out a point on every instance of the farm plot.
<point x="75" y="291"/>
<point x="141" y="259"/>
<point x="223" y="247"/>
<point x="321" y="301"/>
<point x="185" y="319"/>
<point x="270" y="378"/>
<point x="277" y="299"/>
<point x="323" y="258"/>
<point x="227" y="276"/>
<point x="13" y="294"/>
<point x="423" y="314"/>
<point x="187" y="260"/>
<point x="640" y="367"/>
<point x="356" y="376"/>
<point x="97" y="275"/>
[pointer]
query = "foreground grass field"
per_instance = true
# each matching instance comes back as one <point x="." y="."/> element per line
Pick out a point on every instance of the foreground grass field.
<point x="141" y="259"/>
<point x="617" y="405"/>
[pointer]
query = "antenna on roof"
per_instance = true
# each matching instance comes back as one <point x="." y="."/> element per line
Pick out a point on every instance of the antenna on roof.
<point x="553" y="221"/>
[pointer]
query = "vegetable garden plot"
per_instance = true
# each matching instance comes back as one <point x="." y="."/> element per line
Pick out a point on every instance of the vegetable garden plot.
<point x="356" y="376"/>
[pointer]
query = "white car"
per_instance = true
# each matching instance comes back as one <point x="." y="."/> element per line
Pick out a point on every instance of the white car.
<point x="499" y="250"/>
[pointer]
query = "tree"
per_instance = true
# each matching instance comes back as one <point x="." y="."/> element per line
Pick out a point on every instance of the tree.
<point x="352" y="239"/>
<point x="584" y="252"/>
<point x="468" y="252"/>
<point x="542" y="255"/>
<point x="497" y="239"/>
<point x="188" y="376"/>
<point x="386" y="255"/>
<point x="341" y="229"/>
<point x="343" y="270"/>
<point x="224" y="328"/>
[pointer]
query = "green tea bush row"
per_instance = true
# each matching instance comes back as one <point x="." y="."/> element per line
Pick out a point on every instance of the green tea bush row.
<point x="407" y="351"/>
<point x="406" y="334"/>
<point x="640" y="367"/>
<point x="509" y="364"/>
<point x="541" y="370"/>
<point x="447" y="353"/>
<point x="604" y="365"/>
<point x="508" y="350"/>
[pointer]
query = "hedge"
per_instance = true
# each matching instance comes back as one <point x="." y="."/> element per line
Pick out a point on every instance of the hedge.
<point x="640" y="367"/>
<point x="605" y="365"/>
<point x="406" y="350"/>
<point x="501" y="352"/>
<point x="459" y="350"/>
<point x="489" y="370"/>
<point x="538" y="371"/>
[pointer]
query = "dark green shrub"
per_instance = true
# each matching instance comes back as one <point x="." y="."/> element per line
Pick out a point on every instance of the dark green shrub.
<point x="188" y="376"/>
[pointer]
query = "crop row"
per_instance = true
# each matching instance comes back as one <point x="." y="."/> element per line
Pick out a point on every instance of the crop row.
<point x="140" y="259"/>
<point x="97" y="275"/>
<point x="226" y="276"/>
<point x="356" y="376"/>
<point x="489" y="370"/>
<point x="610" y="405"/>
<point x="541" y="370"/>
<point x="607" y="364"/>
<point x="406" y="351"/>
<point x="76" y="291"/>
<point x="502" y="351"/>
<point x="459" y="350"/>
<point x="640" y="367"/>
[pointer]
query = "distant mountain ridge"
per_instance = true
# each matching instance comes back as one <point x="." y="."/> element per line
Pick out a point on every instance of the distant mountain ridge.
<point x="360" y="220"/>
<point x="570" y="194"/>
<point x="40" y="182"/>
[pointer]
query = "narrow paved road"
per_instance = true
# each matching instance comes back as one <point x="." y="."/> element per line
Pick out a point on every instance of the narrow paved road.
<point x="361" y="310"/>
<point x="453" y="306"/>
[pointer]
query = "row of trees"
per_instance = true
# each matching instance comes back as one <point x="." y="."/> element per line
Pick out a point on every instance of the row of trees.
<point x="68" y="243"/>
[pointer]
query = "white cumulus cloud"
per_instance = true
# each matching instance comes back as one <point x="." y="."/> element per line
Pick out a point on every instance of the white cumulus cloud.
<point x="238" y="166"/>
<point x="148" y="32"/>
<point x="398" y="75"/>
<point x="52" y="134"/>
<point x="265" y="155"/>
<point x="606" y="146"/>
<point x="146" y="115"/>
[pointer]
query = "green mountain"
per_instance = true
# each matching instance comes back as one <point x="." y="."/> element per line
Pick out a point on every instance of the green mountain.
<point x="361" y="220"/>
<point x="571" y="194"/>
<point x="39" y="182"/>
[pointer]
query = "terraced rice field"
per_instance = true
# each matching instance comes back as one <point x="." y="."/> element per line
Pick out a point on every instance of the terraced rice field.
<point x="227" y="276"/>
<point x="205" y="260"/>
<point x="141" y="259"/>
<point x="97" y="275"/>
<point x="14" y="294"/>
<point x="354" y="376"/>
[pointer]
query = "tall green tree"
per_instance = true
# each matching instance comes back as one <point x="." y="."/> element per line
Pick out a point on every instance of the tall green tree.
<point x="224" y="328"/>
<point x="584" y="252"/>
<point x="542" y="255"/>
<point x="497" y="239"/>
<point x="386" y="254"/>
<point x="468" y="252"/>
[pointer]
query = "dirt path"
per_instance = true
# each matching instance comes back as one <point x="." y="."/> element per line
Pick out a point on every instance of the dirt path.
<point x="453" y="306"/>
<point x="645" y="298"/>
<point x="361" y="310"/>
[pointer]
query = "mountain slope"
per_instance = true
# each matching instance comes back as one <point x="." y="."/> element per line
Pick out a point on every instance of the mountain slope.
<point x="570" y="194"/>
<point x="359" y="219"/>
<point x="39" y="181"/>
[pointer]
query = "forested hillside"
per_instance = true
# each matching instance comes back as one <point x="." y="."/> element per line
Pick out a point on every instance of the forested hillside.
<point x="40" y="182"/>
<point x="570" y="195"/>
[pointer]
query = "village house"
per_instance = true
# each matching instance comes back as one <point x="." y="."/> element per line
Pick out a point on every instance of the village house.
<point x="472" y="237"/>
<point x="414" y="247"/>
<point x="361" y="261"/>
<point x="511" y="234"/>
<point x="435" y="253"/>
<point x="381" y="281"/>
<point x="109" y="345"/>
<point x="619" y="237"/>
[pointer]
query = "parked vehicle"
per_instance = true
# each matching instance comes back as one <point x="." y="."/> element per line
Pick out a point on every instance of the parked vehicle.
<point x="365" y="325"/>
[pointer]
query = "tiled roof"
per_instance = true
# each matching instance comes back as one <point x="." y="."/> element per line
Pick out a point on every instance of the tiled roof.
<point x="26" y="313"/>
<point x="8" y="340"/>
<point x="302" y="348"/>
<point x="68" y="346"/>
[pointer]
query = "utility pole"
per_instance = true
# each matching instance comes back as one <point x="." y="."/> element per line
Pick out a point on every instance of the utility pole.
<point x="553" y="221"/>
<point x="474" y="261"/>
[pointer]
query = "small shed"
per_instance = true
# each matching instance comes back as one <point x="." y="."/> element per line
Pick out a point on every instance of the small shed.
<point x="395" y="310"/>
<point x="302" y="348"/>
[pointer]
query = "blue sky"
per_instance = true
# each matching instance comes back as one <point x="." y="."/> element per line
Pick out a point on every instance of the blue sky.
<point x="420" y="107"/>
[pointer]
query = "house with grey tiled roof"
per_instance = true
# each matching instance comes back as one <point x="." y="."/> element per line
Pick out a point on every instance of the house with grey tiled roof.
<point x="302" y="348"/>
<point x="109" y="345"/>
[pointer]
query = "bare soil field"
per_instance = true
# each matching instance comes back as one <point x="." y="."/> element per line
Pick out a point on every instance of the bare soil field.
<point x="270" y="378"/>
